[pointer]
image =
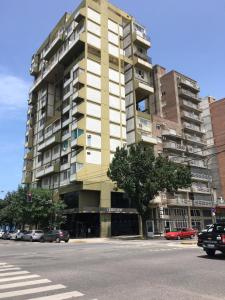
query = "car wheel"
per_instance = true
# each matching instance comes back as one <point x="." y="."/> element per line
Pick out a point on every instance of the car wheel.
<point x="57" y="240"/>
<point x="66" y="241"/>
<point x="192" y="236"/>
<point x="42" y="240"/>
<point x="31" y="239"/>
<point x="178" y="238"/>
<point x="210" y="252"/>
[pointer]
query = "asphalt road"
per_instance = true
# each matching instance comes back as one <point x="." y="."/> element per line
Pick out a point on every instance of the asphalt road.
<point x="110" y="270"/>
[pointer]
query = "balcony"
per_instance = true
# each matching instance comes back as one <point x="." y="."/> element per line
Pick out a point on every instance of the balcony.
<point x="179" y="202"/>
<point x="142" y="87"/>
<point x="75" y="168"/>
<point x="171" y="133"/>
<point x="195" y="151"/>
<point x="78" y="96"/>
<point x="200" y="189"/>
<point x="174" y="146"/>
<point x="195" y="139"/>
<point x="193" y="128"/>
<point x="27" y="178"/>
<point x="80" y="77"/>
<point x="191" y="117"/>
<point x="141" y="39"/>
<point x="78" y="143"/>
<point x="142" y="63"/>
<point x="54" y="45"/>
<point x="78" y="110"/>
<point x="201" y="176"/>
<point x="189" y="84"/>
<point x="34" y="69"/>
<point x="202" y="203"/>
<point x="47" y="170"/>
<point x="50" y="142"/>
<point x="197" y="163"/>
<point x="189" y="95"/>
<point x="191" y="106"/>
<point x="81" y="14"/>
<point x="29" y="155"/>
<point x="28" y="165"/>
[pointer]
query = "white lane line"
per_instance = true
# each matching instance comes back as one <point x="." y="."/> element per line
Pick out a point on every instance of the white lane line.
<point x="24" y="283"/>
<point x="19" y="278"/>
<point x="6" y="266"/>
<point x="14" y="273"/>
<point x="62" y="296"/>
<point x="31" y="291"/>
<point x="10" y="269"/>
<point x="2" y="264"/>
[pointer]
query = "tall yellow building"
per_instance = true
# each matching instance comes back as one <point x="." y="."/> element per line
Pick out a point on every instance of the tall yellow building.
<point x="91" y="91"/>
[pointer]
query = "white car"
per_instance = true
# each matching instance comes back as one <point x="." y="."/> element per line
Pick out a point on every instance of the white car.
<point x="1" y="233"/>
<point x="17" y="235"/>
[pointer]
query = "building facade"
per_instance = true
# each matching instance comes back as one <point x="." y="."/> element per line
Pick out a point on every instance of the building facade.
<point x="91" y="76"/>
<point x="178" y="127"/>
<point x="213" y="118"/>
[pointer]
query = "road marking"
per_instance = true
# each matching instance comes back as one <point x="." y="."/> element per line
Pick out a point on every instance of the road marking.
<point x="24" y="283"/>
<point x="9" y="269"/>
<point x="19" y="278"/>
<point x="62" y="296"/>
<point x="14" y="273"/>
<point x="6" y="266"/>
<point x="2" y="264"/>
<point x="31" y="291"/>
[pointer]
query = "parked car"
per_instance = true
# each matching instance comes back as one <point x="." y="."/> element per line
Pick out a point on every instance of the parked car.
<point x="32" y="235"/>
<point x="1" y="233"/>
<point x="213" y="239"/>
<point x="17" y="235"/>
<point x="6" y="235"/>
<point x="177" y="234"/>
<point x="55" y="236"/>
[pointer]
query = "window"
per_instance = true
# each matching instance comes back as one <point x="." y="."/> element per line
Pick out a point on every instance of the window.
<point x="64" y="159"/>
<point x="76" y="133"/>
<point x="65" y="145"/>
<point x="195" y="212"/>
<point x="56" y="149"/>
<point x="39" y="157"/>
<point x="158" y="126"/>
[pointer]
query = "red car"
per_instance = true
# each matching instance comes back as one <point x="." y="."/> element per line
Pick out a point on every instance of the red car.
<point x="177" y="234"/>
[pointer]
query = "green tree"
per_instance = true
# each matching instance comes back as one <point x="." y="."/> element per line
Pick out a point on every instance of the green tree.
<point x="39" y="210"/>
<point x="143" y="176"/>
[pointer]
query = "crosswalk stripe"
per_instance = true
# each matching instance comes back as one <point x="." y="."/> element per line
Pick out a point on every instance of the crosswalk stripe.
<point x="19" y="278"/>
<point x="24" y="283"/>
<point x="31" y="291"/>
<point x="62" y="296"/>
<point x="14" y="273"/>
<point x="6" y="266"/>
<point x="9" y="269"/>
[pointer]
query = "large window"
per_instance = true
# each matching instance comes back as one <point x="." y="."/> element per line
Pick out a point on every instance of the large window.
<point x="76" y="133"/>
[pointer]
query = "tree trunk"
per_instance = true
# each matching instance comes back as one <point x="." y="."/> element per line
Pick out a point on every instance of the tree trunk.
<point x="144" y="227"/>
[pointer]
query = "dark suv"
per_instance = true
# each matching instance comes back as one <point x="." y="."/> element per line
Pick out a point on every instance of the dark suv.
<point x="213" y="239"/>
<point x="55" y="236"/>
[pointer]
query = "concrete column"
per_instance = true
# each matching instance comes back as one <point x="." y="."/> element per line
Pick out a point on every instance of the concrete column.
<point x="105" y="202"/>
<point x="189" y="217"/>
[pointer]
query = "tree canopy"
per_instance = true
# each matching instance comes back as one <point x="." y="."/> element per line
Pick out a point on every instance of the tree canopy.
<point x="39" y="210"/>
<point x="142" y="176"/>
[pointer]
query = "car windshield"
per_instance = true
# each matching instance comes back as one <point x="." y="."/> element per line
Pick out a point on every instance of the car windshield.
<point x="173" y="230"/>
<point x="220" y="228"/>
<point x="38" y="231"/>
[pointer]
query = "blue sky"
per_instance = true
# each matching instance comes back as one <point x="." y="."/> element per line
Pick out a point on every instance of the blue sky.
<point x="188" y="36"/>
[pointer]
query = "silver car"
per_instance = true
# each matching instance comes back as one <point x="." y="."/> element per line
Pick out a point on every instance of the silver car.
<point x="17" y="235"/>
<point x="32" y="235"/>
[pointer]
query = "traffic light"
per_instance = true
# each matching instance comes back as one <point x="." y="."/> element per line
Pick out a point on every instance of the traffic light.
<point x="29" y="197"/>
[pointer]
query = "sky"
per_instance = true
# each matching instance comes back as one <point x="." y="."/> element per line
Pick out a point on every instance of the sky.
<point x="187" y="36"/>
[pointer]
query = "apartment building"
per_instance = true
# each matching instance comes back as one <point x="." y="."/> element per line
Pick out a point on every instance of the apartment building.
<point x="213" y="118"/>
<point x="91" y="93"/>
<point x="180" y="133"/>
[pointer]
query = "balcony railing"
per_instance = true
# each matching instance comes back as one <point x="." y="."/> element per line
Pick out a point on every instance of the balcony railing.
<point x="191" y="105"/>
<point x="188" y="115"/>
<point x="143" y="56"/>
<point x="201" y="176"/>
<point x="190" y="84"/>
<point x="200" y="189"/>
<point x="175" y="146"/>
<point x="189" y="95"/>
<point x="193" y="127"/>
<point x="195" y="139"/>
<point x="48" y="169"/>
<point x="179" y="201"/>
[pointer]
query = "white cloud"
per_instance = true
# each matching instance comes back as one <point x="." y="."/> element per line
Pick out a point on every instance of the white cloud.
<point x="13" y="93"/>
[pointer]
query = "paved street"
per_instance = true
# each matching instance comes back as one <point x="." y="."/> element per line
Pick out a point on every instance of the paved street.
<point x="109" y="270"/>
